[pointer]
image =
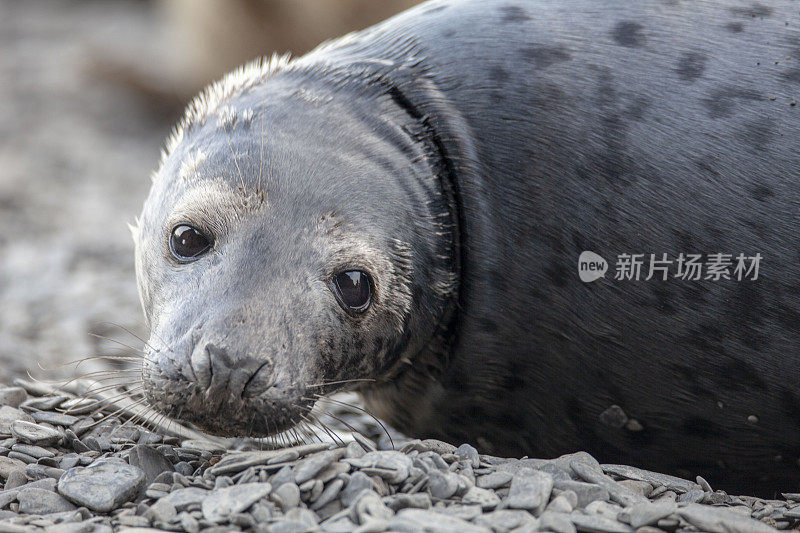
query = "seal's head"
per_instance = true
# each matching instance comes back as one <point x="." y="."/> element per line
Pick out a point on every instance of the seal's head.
<point x="297" y="234"/>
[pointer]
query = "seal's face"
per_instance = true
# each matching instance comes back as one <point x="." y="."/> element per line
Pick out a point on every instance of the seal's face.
<point x="278" y="253"/>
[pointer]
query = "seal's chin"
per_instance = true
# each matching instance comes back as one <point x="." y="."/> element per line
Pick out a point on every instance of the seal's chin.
<point x="228" y="416"/>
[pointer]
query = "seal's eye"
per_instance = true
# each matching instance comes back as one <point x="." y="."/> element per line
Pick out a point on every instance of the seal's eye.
<point x="354" y="290"/>
<point x="188" y="243"/>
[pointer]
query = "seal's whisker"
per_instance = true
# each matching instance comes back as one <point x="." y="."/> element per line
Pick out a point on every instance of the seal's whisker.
<point x="131" y="333"/>
<point x="109" y="339"/>
<point x="320" y="424"/>
<point x="235" y="159"/>
<point x="340" y="382"/>
<point x="341" y="421"/>
<point x="345" y="404"/>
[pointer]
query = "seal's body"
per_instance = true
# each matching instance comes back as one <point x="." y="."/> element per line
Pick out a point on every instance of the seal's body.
<point x="453" y="163"/>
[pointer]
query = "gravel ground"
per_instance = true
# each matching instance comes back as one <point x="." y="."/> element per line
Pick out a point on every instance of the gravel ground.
<point x="68" y="467"/>
<point x="74" y="160"/>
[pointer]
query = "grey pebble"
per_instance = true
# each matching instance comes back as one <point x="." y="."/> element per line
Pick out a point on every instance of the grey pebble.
<point x="188" y="523"/>
<point x="392" y="466"/>
<point x="312" y="465"/>
<point x="12" y="396"/>
<point x="33" y="451"/>
<point x="486" y="498"/>
<point x="369" y="506"/>
<point x="57" y="419"/>
<point x="103" y="486"/>
<point x="654" y="478"/>
<point x="150" y="461"/>
<point x="598" y="524"/>
<point x="443" y="485"/>
<point x="331" y="491"/>
<point x="16" y="478"/>
<point x="429" y="521"/>
<point x="220" y="504"/>
<point x="182" y="499"/>
<point x="645" y="514"/>
<point x="495" y="480"/>
<point x="704" y="484"/>
<point x="692" y="496"/>
<point x="25" y="458"/>
<point x="34" y="433"/>
<point x="721" y="520"/>
<point x="617" y="492"/>
<point x="42" y="501"/>
<point x="558" y="522"/>
<point x="468" y="452"/>
<point x="286" y="496"/>
<point x="9" y="415"/>
<point x="530" y="489"/>
<point x="9" y="465"/>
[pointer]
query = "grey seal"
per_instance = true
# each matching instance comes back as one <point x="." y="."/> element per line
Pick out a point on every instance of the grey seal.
<point x="402" y="210"/>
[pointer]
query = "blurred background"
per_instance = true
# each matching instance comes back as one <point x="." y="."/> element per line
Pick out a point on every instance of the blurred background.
<point x="88" y="93"/>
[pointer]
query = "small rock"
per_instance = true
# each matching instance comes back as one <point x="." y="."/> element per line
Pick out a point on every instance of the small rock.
<point x="645" y="514"/>
<point x="721" y="520"/>
<point x="182" y="499"/>
<point x="287" y="496"/>
<point x="465" y="451"/>
<point x="495" y="480"/>
<point x="486" y="498"/>
<point x="34" y="433"/>
<point x="16" y="478"/>
<point x="392" y="466"/>
<point x="9" y="465"/>
<point x="614" y="417"/>
<point x="222" y="503"/>
<point x="530" y="489"/>
<point x="57" y="419"/>
<point x="421" y="520"/>
<point x="12" y="396"/>
<point x="310" y="466"/>
<point x="103" y="486"/>
<point x="443" y="485"/>
<point x="41" y="501"/>
<point x="150" y="461"/>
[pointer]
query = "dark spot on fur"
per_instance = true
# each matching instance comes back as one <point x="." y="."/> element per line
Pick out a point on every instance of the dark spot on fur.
<point x="722" y="102"/>
<point x="628" y="33"/>
<point x="542" y="56"/>
<point x="701" y="427"/>
<point x="691" y="66"/>
<point x="447" y="34"/>
<point x="734" y="27"/>
<point x="498" y="74"/>
<point x="573" y="409"/>
<point x="755" y="10"/>
<point x="741" y="375"/>
<point x="761" y="193"/>
<point x="514" y="14"/>
<point x="557" y="273"/>
<point x="663" y="296"/>
<point x="757" y="134"/>
<point x="792" y="75"/>
<point x="637" y="108"/>
<point x="791" y="406"/>
<point x="488" y="325"/>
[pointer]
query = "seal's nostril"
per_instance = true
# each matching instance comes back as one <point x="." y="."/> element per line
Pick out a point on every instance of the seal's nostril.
<point x="200" y="361"/>
<point x="260" y="381"/>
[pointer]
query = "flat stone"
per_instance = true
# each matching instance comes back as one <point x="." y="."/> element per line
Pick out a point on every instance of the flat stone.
<point x="645" y="514"/>
<point x="585" y="492"/>
<point x="102" y="486"/>
<point x="12" y="396"/>
<point x="34" y="451"/>
<point x="617" y="492"/>
<point x="9" y="415"/>
<point x="392" y="466"/>
<point x="424" y="520"/>
<point x="9" y="465"/>
<point x="222" y="503"/>
<point x="495" y="480"/>
<point x="654" y="478"/>
<point x="312" y="465"/>
<point x="150" y="461"/>
<point x="34" y="433"/>
<point x="369" y="506"/>
<point x="443" y="485"/>
<point x="469" y="453"/>
<point x="42" y="501"/>
<point x="330" y="493"/>
<point x="16" y="478"/>
<point x="721" y="520"/>
<point x="530" y="489"/>
<point x="558" y="522"/>
<point x="357" y="482"/>
<point x="57" y="419"/>
<point x="486" y="498"/>
<point x="598" y="524"/>
<point x="239" y="461"/>
<point x="287" y="496"/>
<point x="182" y="499"/>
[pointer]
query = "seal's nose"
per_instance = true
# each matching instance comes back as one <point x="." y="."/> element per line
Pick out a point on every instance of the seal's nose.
<point x="222" y="376"/>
